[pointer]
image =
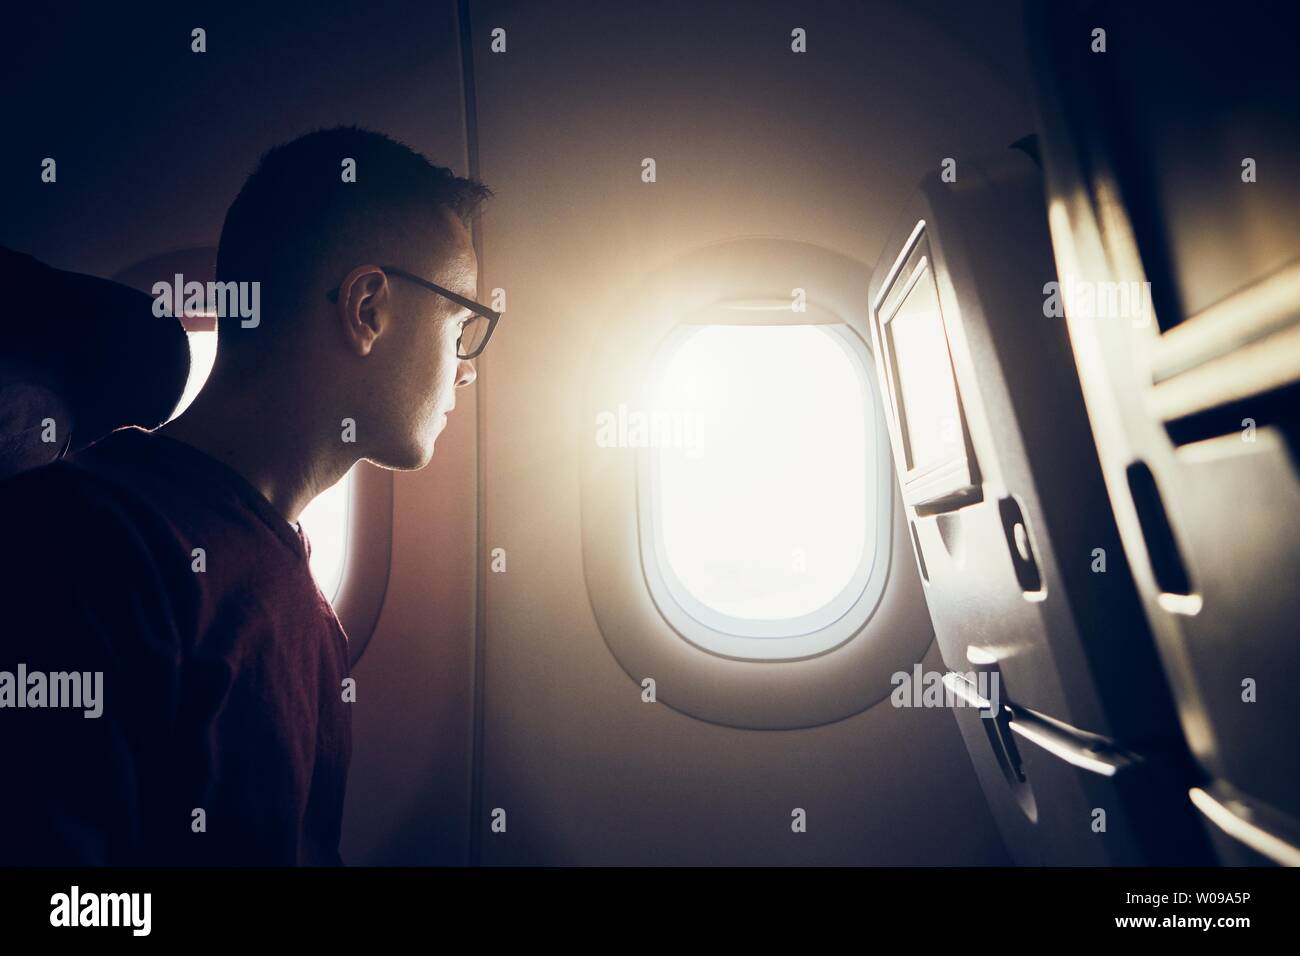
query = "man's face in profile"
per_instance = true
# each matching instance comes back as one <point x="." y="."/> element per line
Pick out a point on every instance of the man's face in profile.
<point x="434" y="324"/>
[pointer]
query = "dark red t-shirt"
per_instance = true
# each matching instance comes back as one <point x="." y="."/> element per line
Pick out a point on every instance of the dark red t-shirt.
<point x="222" y="689"/>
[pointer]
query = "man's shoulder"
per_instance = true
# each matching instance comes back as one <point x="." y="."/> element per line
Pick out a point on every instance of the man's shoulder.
<point x="87" y="551"/>
<point x="61" y="481"/>
<point x="77" y="476"/>
<point x="96" y="488"/>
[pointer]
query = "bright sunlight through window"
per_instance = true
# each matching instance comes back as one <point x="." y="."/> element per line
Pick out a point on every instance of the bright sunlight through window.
<point x="763" y="488"/>
<point x="325" y="520"/>
<point x="203" y="353"/>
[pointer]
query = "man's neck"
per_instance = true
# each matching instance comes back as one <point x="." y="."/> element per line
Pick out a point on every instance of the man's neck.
<point x="279" y="453"/>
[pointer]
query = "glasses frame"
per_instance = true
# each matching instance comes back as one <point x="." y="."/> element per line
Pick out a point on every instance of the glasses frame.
<point x="477" y="308"/>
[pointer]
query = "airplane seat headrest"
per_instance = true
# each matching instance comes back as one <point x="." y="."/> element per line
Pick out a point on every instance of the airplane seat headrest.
<point x="89" y="349"/>
<point x="35" y="427"/>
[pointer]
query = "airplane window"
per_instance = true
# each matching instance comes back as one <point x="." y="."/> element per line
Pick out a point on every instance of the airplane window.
<point x="203" y="352"/>
<point x="325" y="520"/>
<point x="760" y="477"/>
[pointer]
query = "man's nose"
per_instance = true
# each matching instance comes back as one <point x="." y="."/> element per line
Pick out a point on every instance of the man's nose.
<point x="465" y="374"/>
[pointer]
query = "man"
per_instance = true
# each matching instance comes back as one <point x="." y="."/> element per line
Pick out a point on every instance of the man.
<point x="171" y="561"/>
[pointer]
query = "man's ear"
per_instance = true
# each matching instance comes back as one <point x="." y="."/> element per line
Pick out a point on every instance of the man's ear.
<point x="364" y="307"/>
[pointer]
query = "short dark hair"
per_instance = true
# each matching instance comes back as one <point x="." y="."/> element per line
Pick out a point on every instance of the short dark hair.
<point x="296" y="214"/>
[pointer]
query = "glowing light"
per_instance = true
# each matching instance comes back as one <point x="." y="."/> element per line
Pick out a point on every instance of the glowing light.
<point x="325" y="522"/>
<point x="768" y="518"/>
<point x="203" y="353"/>
<point x="929" y="399"/>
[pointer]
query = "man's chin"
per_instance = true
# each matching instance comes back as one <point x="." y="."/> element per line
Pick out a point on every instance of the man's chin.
<point x="408" y="459"/>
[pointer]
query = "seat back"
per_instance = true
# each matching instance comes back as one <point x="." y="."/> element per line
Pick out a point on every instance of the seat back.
<point x="1171" y="141"/>
<point x="1024" y="572"/>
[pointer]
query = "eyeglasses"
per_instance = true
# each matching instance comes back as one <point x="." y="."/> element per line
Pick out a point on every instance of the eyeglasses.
<point x="474" y="334"/>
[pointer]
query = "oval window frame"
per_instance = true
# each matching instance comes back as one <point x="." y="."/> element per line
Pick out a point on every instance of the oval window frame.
<point x="662" y="666"/>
